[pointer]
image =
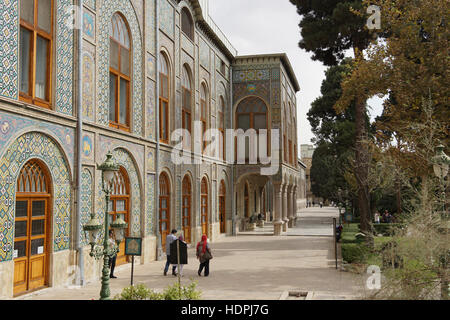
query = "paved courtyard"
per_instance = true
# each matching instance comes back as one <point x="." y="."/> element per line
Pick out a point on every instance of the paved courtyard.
<point x="252" y="265"/>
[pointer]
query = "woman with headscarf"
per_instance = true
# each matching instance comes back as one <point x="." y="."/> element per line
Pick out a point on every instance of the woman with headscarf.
<point x="203" y="255"/>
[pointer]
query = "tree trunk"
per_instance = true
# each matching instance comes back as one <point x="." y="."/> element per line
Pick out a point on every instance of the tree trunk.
<point x="362" y="163"/>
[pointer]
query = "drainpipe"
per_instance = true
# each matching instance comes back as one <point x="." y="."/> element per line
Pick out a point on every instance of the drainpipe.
<point x="158" y="235"/>
<point x="233" y="197"/>
<point x="78" y="246"/>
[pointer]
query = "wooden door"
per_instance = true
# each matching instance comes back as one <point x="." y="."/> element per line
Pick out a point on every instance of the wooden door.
<point x="187" y="209"/>
<point x="222" y="215"/>
<point x="119" y="207"/>
<point x="164" y="208"/>
<point x="31" y="238"/>
<point x="204" y="206"/>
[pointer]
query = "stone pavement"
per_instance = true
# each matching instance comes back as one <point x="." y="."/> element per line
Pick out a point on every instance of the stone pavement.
<point x="251" y="266"/>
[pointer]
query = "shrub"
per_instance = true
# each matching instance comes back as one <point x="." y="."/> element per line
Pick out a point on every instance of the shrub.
<point x="355" y="252"/>
<point x="386" y="228"/>
<point x="174" y="292"/>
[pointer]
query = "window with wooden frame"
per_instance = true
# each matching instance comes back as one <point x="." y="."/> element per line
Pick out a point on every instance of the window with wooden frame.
<point x="119" y="206"/>
<point x="164" y="207"/>
<point x="35" y="52"/>
<point x="186" y="116"/>
<point x="204" y="206"/>
<point x="32" y="227"/>
<point x="164" y="94"/>
<point x="251" y="113"/>
<point x="203" y="114"/>
<point x="187" y="23"/>
<point x="119" y="74"/>
<point x="221" y="127"/>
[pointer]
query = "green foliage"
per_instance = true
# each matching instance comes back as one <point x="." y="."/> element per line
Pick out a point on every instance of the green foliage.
<point x="173" y="292"/>
<point x="387" y="229"/>
<point x="355" y="252"/>
<point x="329" y="28"/>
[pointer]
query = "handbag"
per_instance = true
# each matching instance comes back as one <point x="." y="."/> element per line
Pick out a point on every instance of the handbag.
<point x="205" y="256"/>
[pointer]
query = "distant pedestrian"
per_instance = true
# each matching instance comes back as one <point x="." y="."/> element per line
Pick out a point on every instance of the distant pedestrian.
<point x="314" y="203"/>
<point x="180" y="272"/>
<point x="377" y="217"/>
<point x="203" y="255"/>
<point x="169" y="239"/>
<point x="112" y="259"/>
<point x="321" y="204"/>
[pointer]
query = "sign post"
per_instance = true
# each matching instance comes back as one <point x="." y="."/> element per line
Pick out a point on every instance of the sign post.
<point x="133" y="247"/>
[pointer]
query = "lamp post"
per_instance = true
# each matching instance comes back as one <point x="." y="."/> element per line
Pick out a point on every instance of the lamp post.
<point x="93" y="227"/>
<point x="440" y="167"/>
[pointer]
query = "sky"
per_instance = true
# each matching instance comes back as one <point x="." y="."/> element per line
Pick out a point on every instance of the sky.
<point x="271" y="26"/>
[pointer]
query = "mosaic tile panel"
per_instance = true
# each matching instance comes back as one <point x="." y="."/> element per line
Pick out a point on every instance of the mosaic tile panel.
<point x="64" y="58"/>
<point x="106" y="144"/>
<point x="11" y="125"/>
<point x="150" y="26"/>
<point x="30" y="146"/>
<point x="167" y="19"/>
<point x="107" y="10"/>
<point x="88" y="87"/>
<point x="9" y="39"/>
<point x="89" y="25"/>
<point x="260" y="89"/>
<point x="90" y="3"/>
<point x="251" y="75"/>
<point x="204" y="54"/>
<point x="86" y="201"/>
<point x="151" y="105"/>
<point x="149" y="225"/>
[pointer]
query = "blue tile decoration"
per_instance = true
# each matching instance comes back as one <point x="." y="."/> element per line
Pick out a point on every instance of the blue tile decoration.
<point x="9" y="50"/>
<point x="88" y="87"/>
<point x="89" y="25"/>
<point x="106" y="11"/>
<point x="12" y="125"/>
<point x="64" y="57"/>
<point x="34" y="145"/>
<point x="86" y="201"/>
<point x="150" y="204"/>
<point x="167" y="19"/>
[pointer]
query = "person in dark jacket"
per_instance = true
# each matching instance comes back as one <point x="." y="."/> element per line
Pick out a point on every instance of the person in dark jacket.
<point x="169" y="239"/>
<point x="203" y="255"/>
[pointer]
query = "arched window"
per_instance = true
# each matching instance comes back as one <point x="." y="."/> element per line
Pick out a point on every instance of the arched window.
<point x="187" y="24"/>
<point x="289" y="133"/>
<point x="119" y="206"/>
<point x="119" y="74"/>
<point x="164" y="207"/>
<point x="186" y="189"/>
<point x="204" y="206"/>
<point x="35" y="52"/>
<point x="186" y="105"/>
<point x="164" y="99"/>
<point x="221" y="127"/>
<point x="251" y="113"/>
<point x="203" y="112"/>
<point x="32" y="227"/>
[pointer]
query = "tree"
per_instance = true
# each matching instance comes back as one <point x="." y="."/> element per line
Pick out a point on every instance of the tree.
<point x="328" y="29"/>
<point x="334" y="134"/>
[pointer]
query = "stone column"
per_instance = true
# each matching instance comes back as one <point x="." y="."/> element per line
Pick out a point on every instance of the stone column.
<point x="291" y="215"/>
<point x="294" y="204"/>
<point x="277" y="223"/>
<point x="285" y="209"/>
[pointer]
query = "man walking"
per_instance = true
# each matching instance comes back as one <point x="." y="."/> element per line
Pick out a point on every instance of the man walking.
<point x="170" y="238"/>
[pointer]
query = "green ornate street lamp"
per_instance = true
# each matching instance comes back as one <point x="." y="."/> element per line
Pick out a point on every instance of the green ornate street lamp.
<point x="93" y="227"/>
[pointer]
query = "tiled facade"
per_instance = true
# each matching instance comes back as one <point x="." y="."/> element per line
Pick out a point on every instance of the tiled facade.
<point x="31" y="132"/>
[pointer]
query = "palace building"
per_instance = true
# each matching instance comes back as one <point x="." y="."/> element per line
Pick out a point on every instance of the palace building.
<point x="123" y="81"/>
